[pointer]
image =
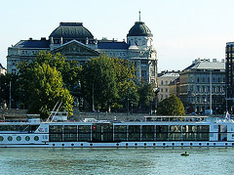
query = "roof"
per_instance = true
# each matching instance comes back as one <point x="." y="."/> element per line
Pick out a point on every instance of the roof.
<point x="112" y="45"/>
<point x="140" y="29"/>
<point x="209" y="65"/>
<point x="1" y="66"/>
<point x="202" y="64"/>
<point x="171" y="75"/>
<point x="71" y="30"/>
<point x="43" y="43"/>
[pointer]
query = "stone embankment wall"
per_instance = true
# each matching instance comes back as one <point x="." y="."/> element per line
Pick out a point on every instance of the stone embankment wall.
<point x="108" y="116"/>
<point x="78" y="116"/>
<point x="16" y="113"/>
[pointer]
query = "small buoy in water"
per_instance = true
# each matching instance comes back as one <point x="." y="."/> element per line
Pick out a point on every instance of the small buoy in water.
<point x="185" y="154"/>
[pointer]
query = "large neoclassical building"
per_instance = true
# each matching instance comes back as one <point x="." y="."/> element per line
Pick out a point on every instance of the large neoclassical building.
<point x="76" y="42"/>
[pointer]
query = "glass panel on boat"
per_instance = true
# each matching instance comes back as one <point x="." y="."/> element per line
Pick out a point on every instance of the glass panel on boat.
<point x="1" y="138"/>
<point x="19" y="128"/>
<point x="102" y="132"/>
<point x="175" y="132"/>
<point x="189" y="132"/>
<point x="134" y="132"/>
<point x="202" y="133"/>
<point x="148" y="132"/>
<point x="56" y="133"/>
<point x="70" y="133"/>
<point x="222" y="132"/>
<point x="84" y="132"/>
<point x="162" y="132"/>
<point x="120" y="132"/>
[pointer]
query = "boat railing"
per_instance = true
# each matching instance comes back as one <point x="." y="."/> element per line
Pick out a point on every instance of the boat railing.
<point x="186" y="119"/>
<point x="175" y="118"/>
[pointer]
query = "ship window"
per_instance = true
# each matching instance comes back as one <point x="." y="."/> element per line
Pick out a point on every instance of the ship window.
<point x="84" y="132"/>
<point x="162" y="132"/>
<point x="18" y="138"/>
<point x="56" y="132"/>
<point x="188" y="132"/>
<point x="175" y="132"/>
<point x="70" y="133"/>
<point x="9" y="138"/>
<point x="27" y="138"/>
<point x="102" y="132"/>
<point x="36" y="138"/>
<point x="202" y="133"/>
<point x="148" y="133"/>
<point x="120" y="132"/>
<point x="134" y="133"/>
<point x="1" y="138"/>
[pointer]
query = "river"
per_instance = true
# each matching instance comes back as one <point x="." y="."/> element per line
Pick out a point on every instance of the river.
<point x="116" y="161"/>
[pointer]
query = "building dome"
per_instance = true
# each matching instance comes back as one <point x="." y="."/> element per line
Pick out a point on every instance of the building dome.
<point x="140" y="29"/>
<point x="71" y="30"/>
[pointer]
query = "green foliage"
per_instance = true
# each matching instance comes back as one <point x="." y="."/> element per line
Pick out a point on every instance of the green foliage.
<point x="147" y="95"/>
<point x="70" y="70"/>
<point x="127" y="89"/>
<point x="4" y="89"/>
<point x="171" y="106"/>
<point x="109" y="80"/>
<point x="43" y="85"/>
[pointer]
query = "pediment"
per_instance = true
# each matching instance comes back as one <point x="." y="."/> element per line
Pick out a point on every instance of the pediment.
<point x="75" y="48"/>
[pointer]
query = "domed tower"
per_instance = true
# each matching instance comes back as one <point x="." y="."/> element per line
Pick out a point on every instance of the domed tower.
<point x="68" y="31"/>
<point x="142" y="52"/>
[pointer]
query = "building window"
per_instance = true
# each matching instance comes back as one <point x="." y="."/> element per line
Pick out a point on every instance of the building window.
<point x="13" y="71"/>
<point x="143" y="73"/>
<point x="161" y="82"/>
<point x="198" y="88"/>
<point x="203" y="89"/>
<point x="203" y="79"/>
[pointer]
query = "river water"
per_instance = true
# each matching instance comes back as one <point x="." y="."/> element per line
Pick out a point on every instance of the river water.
<point x="116" y="161"/>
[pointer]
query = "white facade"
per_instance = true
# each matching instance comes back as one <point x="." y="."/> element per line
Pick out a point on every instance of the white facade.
<point x="77" y="43"/>
<point x="164" y="84"/>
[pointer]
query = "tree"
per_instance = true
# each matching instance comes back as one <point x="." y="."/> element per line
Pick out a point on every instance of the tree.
<point x="70" y="70"/>
<point x="127" y="89"/>
<point x="109" y="81"/>
<point x="147" y="95"/>
<point x="5" y="82"/>
<point x="45" y="87"/>
<point x="98" y="81"/>
<point x="171" y="106"/>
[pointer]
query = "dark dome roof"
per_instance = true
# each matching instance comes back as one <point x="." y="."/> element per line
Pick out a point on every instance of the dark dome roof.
<point x="140" y="29"/>
<point x="71" y="30"/>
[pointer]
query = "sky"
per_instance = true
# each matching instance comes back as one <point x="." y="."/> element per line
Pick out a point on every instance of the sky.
<point x="183" y="30"/>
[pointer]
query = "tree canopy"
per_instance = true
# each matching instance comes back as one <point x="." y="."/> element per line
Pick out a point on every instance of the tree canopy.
<point x="108" y="81"/>
<point x="171" y="106"/>
<point x="147" y="95"/>
<point x="43" y="85"/>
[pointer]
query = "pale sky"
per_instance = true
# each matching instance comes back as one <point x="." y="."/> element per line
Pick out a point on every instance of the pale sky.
<point x="183" y="30"/>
